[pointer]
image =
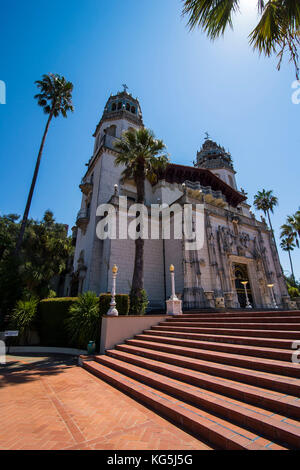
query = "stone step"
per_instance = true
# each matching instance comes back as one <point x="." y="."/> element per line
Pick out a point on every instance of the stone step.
<point x="274" y="313"/>
<point x="272" y="401"/>
<point x="250" y="417"/>
<point x="292" y="335"/>
<point x="220" y="432"/>
<point x="243" y="340"/>
<point x="282" y="384"/>
<point x="268" y="353"/>
<point x="247" y="362"/>
<point x="261" y="319"/>
<point x="246" y="326"/>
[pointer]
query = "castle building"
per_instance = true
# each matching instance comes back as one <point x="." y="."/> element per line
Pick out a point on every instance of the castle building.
<point x="238" y="263"/>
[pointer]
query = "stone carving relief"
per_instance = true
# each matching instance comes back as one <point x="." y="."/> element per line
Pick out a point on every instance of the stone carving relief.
<point x="227" y="239"/>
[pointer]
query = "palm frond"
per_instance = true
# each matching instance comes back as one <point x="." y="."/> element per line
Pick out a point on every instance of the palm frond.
<point x="55" y="95"/>
<point x="213" y="16"/>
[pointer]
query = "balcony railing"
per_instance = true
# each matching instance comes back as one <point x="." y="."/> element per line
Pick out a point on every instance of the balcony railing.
<point x="206" y="190"/>
<point x="83" y="218"/>
<point x="83" y="214"/>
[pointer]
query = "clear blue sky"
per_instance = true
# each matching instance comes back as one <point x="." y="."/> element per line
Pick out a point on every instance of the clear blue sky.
<point x="186" y="85"/>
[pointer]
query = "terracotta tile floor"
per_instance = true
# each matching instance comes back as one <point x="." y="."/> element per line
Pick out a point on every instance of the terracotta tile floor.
<point x="50" y="403"/>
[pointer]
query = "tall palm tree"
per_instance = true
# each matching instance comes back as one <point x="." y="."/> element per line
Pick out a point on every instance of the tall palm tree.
<point x="288" y="245"/>
<point x="291" y="228"/>
<point x="265" y="201"/>
<point x="276" y="32"/>
<point x="143" y="157"/>
<point x="55" y="98"/>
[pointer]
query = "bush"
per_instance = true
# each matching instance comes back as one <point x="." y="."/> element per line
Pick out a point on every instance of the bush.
<point x="83" y="322"/>
<point x="122" y="301"/>
<point x="52" y="314"/>
<point x="293" y="292"/>
<point x="138" y="303"/>
<point x="51" y="294"/>
<point x="23" y="318"/>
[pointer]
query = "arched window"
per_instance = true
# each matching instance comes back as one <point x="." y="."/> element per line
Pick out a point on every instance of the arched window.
<point x="114" y="107"/>
<point x="133" y="109"/>
<point x="127" y="107"/>
<point x="119" y="105"/>
<point x="111" y="130"/>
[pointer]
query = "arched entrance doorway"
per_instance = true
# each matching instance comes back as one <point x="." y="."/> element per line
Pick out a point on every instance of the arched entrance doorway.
<point x="241" y="275"/>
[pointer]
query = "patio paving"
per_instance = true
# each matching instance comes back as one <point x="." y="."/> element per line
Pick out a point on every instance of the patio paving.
<point x="49" y="403"/>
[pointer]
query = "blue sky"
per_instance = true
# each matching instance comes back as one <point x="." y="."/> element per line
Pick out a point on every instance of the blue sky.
<point x="186" y="84"/>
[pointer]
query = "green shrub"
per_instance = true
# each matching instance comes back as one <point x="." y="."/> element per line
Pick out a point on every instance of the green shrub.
<point x="52" y="294"/>
<point x="52" y="314"/>
<point x="138" y="303"/>
<point x="122" y="301"/>
<point x="23" y="318"/>
<point x="83" y="322"/>
<point x="293" y="292"/>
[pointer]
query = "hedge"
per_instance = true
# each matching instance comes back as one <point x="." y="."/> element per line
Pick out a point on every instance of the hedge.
<point x="122" y="301"/>
<point x="52" y="314"/>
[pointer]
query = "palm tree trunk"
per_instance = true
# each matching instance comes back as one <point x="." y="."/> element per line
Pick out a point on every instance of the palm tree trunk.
<point x="292" y="268"/>
<point x="271" y="226"/>
<point x="28" y="204"/>
<point x="138" y="273"/>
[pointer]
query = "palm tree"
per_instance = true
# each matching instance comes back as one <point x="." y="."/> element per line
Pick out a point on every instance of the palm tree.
<point x="265" y="201"/>
<point x="55" y="98"/>
<point x="291" y="228"/>
<point x="143" y="157"/>
<point x="277" y="30"/>
<point x="288" y="245"/>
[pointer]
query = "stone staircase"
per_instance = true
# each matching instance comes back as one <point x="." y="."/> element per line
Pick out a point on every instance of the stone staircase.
<point x="227" y="378"/>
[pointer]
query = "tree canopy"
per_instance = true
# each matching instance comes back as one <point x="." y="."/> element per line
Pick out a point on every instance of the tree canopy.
<point x="44" y="254"/>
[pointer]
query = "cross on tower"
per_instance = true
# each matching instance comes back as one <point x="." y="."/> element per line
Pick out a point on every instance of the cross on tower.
<point x="207" y="136"/>
<point x="125" y="87"/>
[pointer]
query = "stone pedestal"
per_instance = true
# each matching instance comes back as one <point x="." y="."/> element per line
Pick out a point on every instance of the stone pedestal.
<point x="174" y="307"/>
<point x="210" y="298"/>
<point x="220" y="302"/>
<point x="297" y="300"/>
<point x="229" y="299"/>
<point x="289" y="304"/>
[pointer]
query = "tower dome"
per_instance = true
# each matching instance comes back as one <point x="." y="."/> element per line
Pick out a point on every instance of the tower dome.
<point x="215" y="158"/>
<point x="122" y="106"/>
<point x="121" y="113"/>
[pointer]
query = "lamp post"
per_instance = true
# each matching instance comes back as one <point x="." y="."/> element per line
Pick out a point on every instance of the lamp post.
<point x="248" y="305"/>
<point x="272" y="295"/>
<point x="113" y="312"/>
<point x="174" y="305"/>
<point x="172" y="272"/>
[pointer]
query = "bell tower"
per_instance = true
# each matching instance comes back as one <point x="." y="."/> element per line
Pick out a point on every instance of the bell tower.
<point x="121" y="112"/>
<point x="215" y="158"/>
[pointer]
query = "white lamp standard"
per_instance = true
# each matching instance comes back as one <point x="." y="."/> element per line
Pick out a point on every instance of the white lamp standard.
<point x="272" y="295"/>
<point x="174" y="305"/>
<point x="113" y="312"/>
<point x="172" y="272"/>
<point x="248" y="305"/>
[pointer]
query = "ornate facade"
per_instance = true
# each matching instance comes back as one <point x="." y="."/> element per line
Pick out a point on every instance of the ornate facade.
<point x="237" y="248"/>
